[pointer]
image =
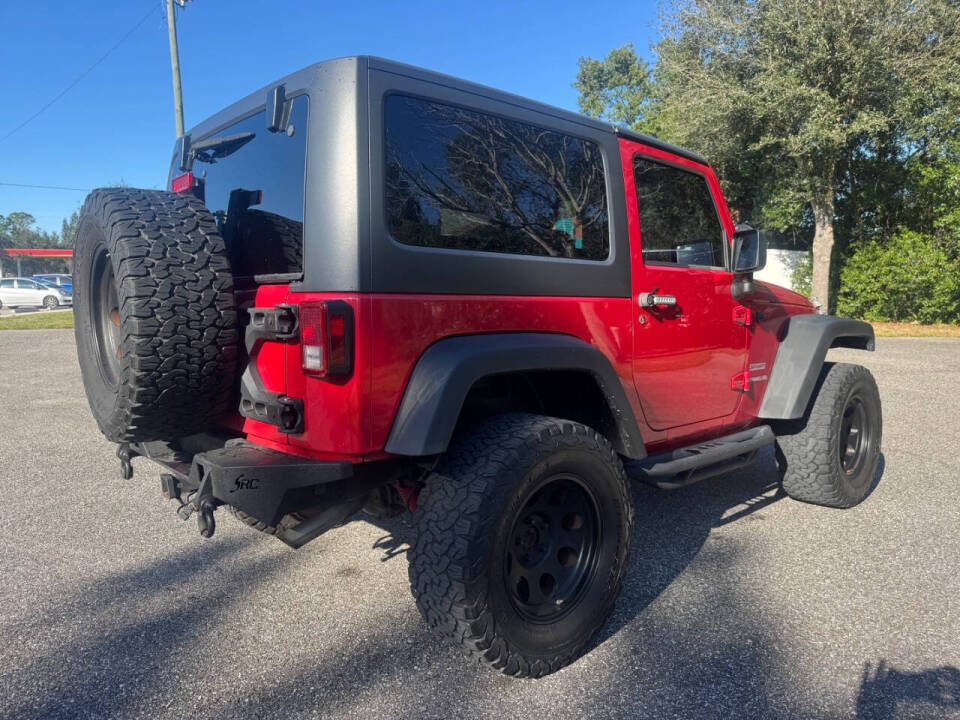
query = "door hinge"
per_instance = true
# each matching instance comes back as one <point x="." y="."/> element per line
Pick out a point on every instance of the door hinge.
<point x="742" y="316"/>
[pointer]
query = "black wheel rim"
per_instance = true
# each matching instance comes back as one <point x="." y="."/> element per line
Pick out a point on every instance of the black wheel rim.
<point x="105" y="318"/>
<point x="551" y="554"/>
<point x="854" y="435"/>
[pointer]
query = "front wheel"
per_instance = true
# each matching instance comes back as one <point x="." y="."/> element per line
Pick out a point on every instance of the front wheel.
<point x="523" y="535"/>
<point x="50" y="302"/>
<point x="830" y="456"/>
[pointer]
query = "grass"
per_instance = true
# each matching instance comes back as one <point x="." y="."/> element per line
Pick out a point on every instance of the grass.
<point x="57" y="320"/>
<point x="893" y="329"/>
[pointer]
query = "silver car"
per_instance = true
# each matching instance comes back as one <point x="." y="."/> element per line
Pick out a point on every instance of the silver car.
<point x="24" y="292"/>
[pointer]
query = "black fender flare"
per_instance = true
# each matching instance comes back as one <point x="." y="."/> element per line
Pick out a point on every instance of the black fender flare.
<point x="803" y="347"/>
<point x="445" y="372"/>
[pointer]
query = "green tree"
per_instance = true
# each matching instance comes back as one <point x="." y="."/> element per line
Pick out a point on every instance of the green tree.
<point x="17" y="230"/>
<point x="68" y="228"/>
<point x="909" y="278"/>
<point x="793" y="100"/>
<point x="618" y="87"/>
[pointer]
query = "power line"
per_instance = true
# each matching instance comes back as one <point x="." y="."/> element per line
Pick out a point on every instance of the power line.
<point x="44" y="187"/>
<point x="82" y="75"/>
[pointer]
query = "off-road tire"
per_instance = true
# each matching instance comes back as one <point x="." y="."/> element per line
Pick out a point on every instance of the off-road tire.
<point x="463" y="522"/>
<point x="50" y="303"/>
<point x="175" y="325"/>
<point x="809" y="450"/>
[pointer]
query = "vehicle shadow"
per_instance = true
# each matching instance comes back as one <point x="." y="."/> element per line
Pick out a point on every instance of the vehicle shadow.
<point x="140" y="623"/>
<point x="137" y="626"/>
<point x="885" y="691"/>
<point x="670" y="527"/>
<point x="681" y="664"/>
<point x="670" y="530"/>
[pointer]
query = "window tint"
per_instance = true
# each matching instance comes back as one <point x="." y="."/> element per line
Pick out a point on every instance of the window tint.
<point x="254" y="188"/>
<point x="469" y="181"/>
<point x="678" y="221"/>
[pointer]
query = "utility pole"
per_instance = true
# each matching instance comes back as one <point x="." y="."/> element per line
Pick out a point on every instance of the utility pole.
<point x="175" y="66"/>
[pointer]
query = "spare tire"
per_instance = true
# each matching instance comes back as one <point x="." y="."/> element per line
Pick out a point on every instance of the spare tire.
<point x="155" y="316"/>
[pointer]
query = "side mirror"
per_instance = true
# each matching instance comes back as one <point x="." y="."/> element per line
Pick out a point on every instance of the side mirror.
<point x="749" y="250"/>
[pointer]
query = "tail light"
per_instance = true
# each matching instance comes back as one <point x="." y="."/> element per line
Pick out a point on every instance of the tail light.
<point x="182" y="184"/>
<point x="326" y="338"/>
<point x="189" y="184"/>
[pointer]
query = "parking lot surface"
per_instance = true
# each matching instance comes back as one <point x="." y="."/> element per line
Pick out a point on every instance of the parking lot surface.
<point x="738" y="602"/>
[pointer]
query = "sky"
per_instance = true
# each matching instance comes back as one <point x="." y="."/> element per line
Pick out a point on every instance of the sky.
<point x="117" y="123"/>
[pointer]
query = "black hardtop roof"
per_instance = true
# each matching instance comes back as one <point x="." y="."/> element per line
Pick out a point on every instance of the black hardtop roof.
<point x="486" y="91"/>
<point x="310" y="74"/>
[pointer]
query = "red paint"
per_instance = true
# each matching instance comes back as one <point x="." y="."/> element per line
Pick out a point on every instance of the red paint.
<point x="352" y="416"/>
<point x="406" y="325"/>
<point x="740" y="381"/>
<point x="270" y="359"/>
<point x="690" y="372"/>
<point x="742" y="316"/>
<point x="684" y="355"/>
<point x="409" y="495"/>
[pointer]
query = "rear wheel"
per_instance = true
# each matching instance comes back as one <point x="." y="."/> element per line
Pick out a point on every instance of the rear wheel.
<point x="523" y="536"/>
<point x="830" y="456"/>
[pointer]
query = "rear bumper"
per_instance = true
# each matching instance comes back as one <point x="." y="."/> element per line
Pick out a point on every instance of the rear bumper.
<point x="268" y="484"/>
<point x="300" y="498"/>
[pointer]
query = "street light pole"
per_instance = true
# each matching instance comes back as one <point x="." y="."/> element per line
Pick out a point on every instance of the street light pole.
<point x="175" y="67"/>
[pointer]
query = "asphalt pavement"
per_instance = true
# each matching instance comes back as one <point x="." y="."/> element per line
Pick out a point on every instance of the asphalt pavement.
<point x="739" y="603"/>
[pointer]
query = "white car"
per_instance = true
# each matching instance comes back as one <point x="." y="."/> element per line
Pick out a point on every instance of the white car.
<point x="23" y="292"/>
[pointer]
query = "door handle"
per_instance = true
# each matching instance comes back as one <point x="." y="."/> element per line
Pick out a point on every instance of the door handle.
<point x="653" y="299"/>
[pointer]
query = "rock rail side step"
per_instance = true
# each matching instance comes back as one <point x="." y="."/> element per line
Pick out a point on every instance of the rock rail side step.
<point x="685" y="466"/>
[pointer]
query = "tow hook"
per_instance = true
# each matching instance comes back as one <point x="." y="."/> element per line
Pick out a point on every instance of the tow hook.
<point x="126" y="454"/>
<point x="201" y="502"/>
<point x="205" y="521"/>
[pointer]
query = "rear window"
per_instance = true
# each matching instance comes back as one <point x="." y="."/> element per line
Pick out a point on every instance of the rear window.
<point x="254" y="188"/>
<point x="461" y="179"/>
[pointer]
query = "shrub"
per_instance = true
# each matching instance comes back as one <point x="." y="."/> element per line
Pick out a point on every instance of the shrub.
<point x="907" y="278"/>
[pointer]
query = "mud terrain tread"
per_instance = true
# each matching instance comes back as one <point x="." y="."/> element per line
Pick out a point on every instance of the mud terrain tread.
<point x="809" y="448"/>
<point x="179" y="340"/>
<point x="462" y="502"/>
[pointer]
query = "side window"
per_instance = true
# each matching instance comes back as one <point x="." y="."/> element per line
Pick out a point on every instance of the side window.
<point x="679" y="224"/>
<point x="465" y="180"/>
<point x="7" y="284"/>
<point x="28" y="285"/>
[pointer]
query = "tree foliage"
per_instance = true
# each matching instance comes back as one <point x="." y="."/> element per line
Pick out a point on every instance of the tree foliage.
<point x="837" y="116"/>
<point x="618" y="87"/>
<point x="908" y="278"/>
<point x="17" y="230"/>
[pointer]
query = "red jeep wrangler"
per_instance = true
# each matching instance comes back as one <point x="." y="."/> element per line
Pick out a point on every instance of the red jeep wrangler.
<point x="372" y="286"/>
